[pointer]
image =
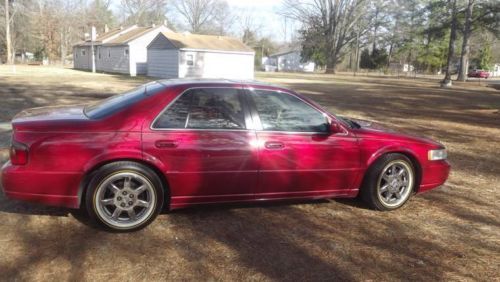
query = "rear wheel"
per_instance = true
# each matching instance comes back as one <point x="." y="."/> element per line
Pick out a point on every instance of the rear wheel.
<point x="124" y="196"/>
<point x="389" y="182"/>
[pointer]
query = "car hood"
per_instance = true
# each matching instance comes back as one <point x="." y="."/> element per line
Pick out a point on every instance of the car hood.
<point x="48" y="116"/>
<point x="370" y="129"/>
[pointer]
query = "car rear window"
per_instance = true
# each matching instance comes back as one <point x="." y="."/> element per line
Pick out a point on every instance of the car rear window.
<point x="122" y="101"/>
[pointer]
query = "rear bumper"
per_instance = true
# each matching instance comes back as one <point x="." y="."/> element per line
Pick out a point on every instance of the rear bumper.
<point x="434" y="175"/>
<point x="49" y="188"/>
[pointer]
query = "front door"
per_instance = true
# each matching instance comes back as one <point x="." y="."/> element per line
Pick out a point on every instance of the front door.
<point x="299" y="157"/>
<point x="203" y="141"/>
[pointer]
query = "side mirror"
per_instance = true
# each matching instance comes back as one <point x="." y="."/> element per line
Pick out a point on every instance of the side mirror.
<point x="335" y="127"/>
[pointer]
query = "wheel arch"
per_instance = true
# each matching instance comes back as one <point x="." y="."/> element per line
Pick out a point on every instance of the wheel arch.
<point x="89" y="173"/>
<point x="399" y="150"/>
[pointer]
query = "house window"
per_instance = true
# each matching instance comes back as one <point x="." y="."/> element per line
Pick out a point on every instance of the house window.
<point x="83" y="52"/>
<point x="126" y="52"/>
<point x="190" y="60"/>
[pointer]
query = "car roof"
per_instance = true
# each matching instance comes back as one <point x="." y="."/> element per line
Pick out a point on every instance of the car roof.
<point x="204" y="82"/>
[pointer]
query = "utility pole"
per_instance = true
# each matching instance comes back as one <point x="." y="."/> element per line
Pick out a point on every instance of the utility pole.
<point x="7" y="33"/>
<point x="93" y="35"/>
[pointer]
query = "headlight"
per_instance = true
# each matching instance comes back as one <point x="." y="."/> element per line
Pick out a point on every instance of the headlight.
<point x="436" y="155"/>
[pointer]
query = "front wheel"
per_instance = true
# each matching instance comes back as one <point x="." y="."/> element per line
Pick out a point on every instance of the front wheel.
<point x="124" y="196"/>
<point x="389" y="182"/>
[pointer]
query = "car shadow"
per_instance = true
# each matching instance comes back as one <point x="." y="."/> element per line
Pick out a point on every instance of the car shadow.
<point x="27" y="208"/>
<point x="18" y="207"/>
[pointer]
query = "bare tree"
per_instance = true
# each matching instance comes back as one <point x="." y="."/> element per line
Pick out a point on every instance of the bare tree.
<point x="144" y="12"/>
<point x="224" y="20"/>
<point x="250" y="23"/>
<point x="202" y="15"/>
<point x="8" y="43"/>
<point x="99" y="14"/>
<point x="16" y="32"/>
<point x="20" y="27"/>
<point x="68" y="27"/>
<point x="331" y="22"/>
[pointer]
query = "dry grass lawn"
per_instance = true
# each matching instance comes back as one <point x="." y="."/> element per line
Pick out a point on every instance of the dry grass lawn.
<point x="451" y="233"/>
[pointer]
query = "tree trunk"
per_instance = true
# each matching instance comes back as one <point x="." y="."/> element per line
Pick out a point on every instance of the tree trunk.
<point x="331" y="62"/>
<point x="389" y="57"/>
<point x="62" y="48"/>
<point x="356" y="69"/>
<point x="375" y="28"/>
<point x="330" y="69"/>
<point x="8" y="44"/>
<point x="464" y="56"/>
<point x="451" y="47"/>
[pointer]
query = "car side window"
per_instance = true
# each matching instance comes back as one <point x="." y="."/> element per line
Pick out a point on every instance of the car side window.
<point x="280" y="111"/>
<point x="204" y="108"/>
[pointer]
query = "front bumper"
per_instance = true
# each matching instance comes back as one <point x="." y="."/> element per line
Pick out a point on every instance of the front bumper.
<point x="434" y="174"/>
<point x="45" y="187"/>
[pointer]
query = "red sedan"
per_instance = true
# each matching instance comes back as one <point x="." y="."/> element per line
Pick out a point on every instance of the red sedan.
<point x="178" y="143"/>
<point x="479" y="74"/>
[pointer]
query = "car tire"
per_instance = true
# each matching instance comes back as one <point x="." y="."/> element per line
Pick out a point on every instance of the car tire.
<point x="389" y="182"/>
<point x="124" y="196"/>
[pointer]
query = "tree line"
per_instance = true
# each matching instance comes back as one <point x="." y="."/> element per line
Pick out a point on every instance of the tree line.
<point x="49" y="28"/>
<point x="428" y="35"/>
<point x="425" y="34"/>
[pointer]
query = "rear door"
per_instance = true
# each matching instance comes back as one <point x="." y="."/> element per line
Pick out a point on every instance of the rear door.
<point x="203" y="140"/>
<point x="299" y="157"/>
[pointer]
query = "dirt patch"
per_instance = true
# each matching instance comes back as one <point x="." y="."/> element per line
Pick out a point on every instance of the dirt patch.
<point x="451" y="233"/>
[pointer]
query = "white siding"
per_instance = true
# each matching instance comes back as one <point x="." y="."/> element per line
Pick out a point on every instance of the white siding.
<point x="139" y="51"/>
<point x="129" y="58"/>
<point x="217" y="65"/>
<point x="163" y="63"/>
<point x="112" y="59"/>
<point x="80" y="61"/>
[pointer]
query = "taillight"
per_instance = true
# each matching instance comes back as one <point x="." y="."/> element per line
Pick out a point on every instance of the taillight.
<point x="18" y="153"/>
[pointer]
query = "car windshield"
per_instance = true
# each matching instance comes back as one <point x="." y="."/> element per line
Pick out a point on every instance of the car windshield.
<point x="122" y="101"/>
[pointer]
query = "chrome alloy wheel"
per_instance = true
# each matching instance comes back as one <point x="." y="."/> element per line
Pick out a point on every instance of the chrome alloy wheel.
<point x="125" y="199"/>
<point x="395" y="183"/>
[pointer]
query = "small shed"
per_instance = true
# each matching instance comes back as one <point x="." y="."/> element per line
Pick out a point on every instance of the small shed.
<point x="185" y="55"/>
<point x="121" y="50"/>
<point x="290" y="61"/>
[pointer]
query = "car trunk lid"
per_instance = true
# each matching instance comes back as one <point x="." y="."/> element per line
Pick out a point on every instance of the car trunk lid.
<point x="45" y="117"/>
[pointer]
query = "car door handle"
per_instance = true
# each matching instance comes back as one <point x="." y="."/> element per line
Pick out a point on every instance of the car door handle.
<point x="163" y="144"/>
<point x="274" y="145"/>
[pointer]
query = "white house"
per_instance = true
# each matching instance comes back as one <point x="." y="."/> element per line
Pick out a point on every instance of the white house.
<point x="290" y="61"/>
<point x="398" y="67"/>
<point x="180" y="55"/>
<point x="121" y="50"/>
